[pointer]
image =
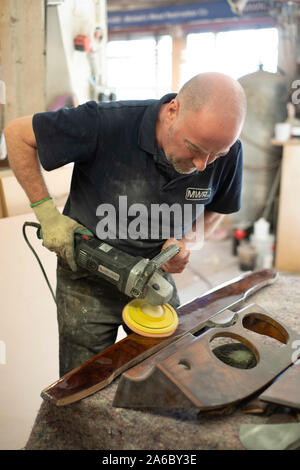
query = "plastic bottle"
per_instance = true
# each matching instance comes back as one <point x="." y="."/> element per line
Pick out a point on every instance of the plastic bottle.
<point x="263" y="241"/>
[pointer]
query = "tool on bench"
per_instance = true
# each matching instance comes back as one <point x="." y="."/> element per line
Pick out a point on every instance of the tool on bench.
<point x="142" y="279"/>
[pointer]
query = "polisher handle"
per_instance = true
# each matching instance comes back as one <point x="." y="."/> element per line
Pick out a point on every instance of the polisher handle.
<point x="165" y="255"/>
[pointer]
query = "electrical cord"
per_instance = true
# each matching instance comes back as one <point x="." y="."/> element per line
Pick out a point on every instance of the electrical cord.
<point x="36" y="225"/>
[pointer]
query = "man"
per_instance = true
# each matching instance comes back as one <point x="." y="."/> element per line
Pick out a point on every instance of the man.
<point x="150" y="152"/>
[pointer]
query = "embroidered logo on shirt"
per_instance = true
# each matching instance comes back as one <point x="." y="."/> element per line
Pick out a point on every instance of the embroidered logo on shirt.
<point x="197" y="194"/>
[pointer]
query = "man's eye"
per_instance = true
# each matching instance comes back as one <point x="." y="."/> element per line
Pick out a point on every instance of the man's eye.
<point x="197" y="151"/>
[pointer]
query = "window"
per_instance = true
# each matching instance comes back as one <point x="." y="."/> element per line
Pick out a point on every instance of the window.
<point x="141" y="68"/>
<point x="235" y="53"/>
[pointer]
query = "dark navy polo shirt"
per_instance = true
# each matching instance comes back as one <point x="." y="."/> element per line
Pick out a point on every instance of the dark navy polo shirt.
<point x="120" y="175"/>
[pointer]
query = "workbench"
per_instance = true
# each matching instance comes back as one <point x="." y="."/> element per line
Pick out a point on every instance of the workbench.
<point x="93" y="424"/>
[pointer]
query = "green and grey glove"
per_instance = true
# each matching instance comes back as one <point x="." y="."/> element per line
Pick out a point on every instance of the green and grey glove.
<point x="58" y="230"/>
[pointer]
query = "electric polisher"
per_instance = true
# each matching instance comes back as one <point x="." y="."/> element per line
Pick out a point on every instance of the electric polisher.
<point x="148" y="314"/>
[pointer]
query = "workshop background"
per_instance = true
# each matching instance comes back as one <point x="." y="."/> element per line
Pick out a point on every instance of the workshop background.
<point x="57" y="54"/>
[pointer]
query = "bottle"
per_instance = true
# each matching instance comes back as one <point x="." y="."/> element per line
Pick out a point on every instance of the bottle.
<point x="263" y="241"/>
<point x="246" y="256"/>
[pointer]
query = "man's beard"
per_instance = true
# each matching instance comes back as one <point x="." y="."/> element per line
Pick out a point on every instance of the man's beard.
<point x="183" y="167"/>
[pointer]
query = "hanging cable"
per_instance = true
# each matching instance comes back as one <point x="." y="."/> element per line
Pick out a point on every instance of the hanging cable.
<point x="36" y="225"/>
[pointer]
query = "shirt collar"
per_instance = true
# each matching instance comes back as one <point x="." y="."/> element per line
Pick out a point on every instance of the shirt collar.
<point x="147" y="131"/>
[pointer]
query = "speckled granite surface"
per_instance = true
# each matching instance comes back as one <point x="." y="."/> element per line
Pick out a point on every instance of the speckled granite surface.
<point x="93" y="424"/>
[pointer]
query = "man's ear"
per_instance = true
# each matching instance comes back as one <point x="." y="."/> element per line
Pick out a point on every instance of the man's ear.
<point x="172" y="110"/>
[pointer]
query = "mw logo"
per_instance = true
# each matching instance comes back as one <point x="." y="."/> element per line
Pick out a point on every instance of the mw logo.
<point x="197" y="194"/>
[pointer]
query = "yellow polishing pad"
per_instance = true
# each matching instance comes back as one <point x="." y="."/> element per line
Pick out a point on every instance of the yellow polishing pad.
<point x="149" y="320"/>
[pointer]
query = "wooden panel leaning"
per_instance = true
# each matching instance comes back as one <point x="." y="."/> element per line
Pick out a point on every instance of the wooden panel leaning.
<point x="102" y="369"/>
<point x="193" y="376"/>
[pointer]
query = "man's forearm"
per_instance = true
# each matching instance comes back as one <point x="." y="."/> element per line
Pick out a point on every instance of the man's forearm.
<point x="23" y="159"/>
<point x="211" y="221"/>
<point x="202" y="229"/>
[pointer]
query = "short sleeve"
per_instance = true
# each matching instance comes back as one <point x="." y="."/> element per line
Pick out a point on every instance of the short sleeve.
<point x="67" y="135"/>
<point x="227" y="198"/>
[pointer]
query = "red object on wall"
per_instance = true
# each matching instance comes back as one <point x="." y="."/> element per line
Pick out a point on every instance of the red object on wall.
<point x="82" y="43"/>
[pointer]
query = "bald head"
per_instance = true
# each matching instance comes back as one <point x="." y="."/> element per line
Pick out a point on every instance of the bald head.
<point x="215" y="93"/>
<point x="202" y="122"/>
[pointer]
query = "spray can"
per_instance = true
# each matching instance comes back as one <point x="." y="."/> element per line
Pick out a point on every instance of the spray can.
<point x="263" y="242"/>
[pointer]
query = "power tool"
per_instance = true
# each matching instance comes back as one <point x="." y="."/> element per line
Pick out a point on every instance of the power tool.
<point x="148" y="314"/>
<point x="140" y="278"/>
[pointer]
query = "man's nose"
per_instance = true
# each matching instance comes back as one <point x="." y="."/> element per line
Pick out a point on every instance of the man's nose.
<point x="201" y="161"/>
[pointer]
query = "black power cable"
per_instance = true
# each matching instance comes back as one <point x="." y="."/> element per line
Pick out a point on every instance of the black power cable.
<point x="36" y="225"/>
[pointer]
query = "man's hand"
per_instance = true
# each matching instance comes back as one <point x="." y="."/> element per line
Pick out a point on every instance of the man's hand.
<point x="58" y="231"/>
<point x="178" y="262"/>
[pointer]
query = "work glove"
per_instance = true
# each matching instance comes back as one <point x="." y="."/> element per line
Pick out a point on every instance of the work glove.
<point x="58" y="230"/>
